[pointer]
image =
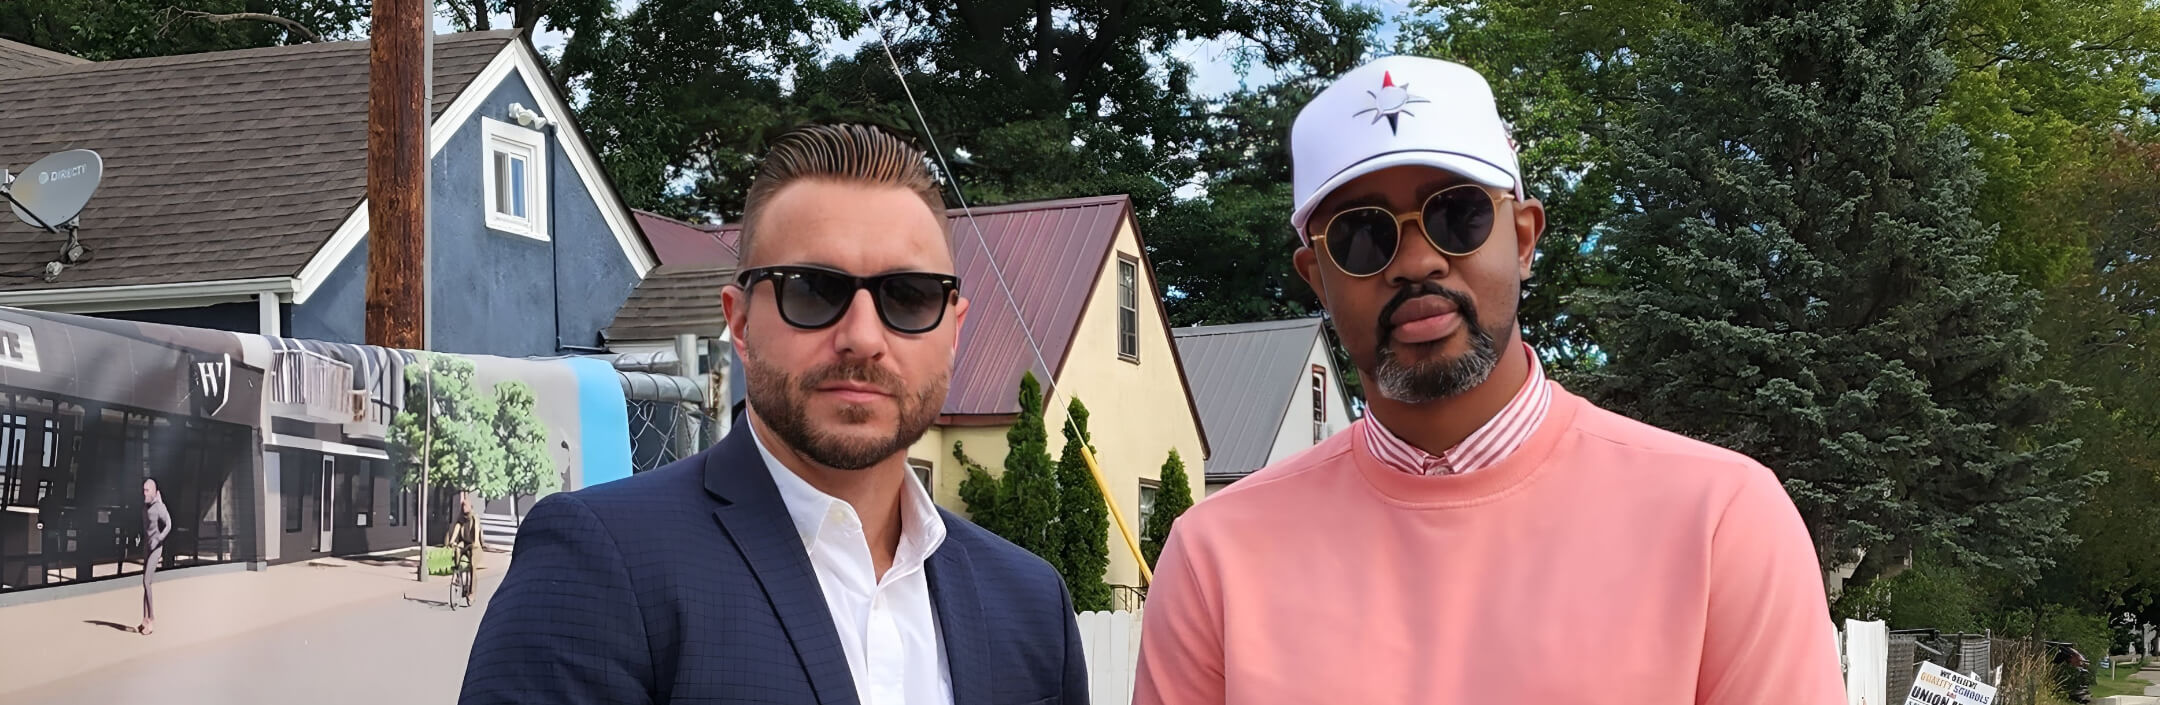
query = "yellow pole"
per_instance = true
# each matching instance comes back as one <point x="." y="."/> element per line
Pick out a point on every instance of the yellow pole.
<point x="1125" y="530"/>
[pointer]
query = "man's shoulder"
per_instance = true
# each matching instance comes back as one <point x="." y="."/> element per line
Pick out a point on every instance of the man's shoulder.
<point x="997" y="561"/>
<point x="680" y="484"/>
<point x="1666" y="460"/>
<point x="1631" y="437"/>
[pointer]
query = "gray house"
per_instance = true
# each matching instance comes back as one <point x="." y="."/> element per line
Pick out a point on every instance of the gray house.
<point x="234" y="196"/>
<point x="1265" y="390"/>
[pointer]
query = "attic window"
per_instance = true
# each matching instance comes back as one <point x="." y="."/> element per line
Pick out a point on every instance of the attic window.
<point x="1319" y="404"/>
<point x="514" y="178"/>
<point x="1128" y="320"/>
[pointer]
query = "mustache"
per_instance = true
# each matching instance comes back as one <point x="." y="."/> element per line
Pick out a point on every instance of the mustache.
<point x="1404" y="295"/>
<point x="858" y="372"/>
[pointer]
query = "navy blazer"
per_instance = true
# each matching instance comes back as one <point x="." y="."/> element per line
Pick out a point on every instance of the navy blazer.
<point x="689" y="584"/>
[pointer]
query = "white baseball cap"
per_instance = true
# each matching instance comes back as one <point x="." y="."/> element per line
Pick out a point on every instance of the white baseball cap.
<point x="1397" y="111"/>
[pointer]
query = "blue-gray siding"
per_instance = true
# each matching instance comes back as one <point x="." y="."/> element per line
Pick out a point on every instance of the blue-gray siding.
<point x="495" y="292"/>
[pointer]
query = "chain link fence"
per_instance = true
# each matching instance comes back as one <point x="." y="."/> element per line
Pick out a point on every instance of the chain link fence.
<point x="672" y="415"/>
<point x="668" y="419"/>
<point x="2025" y="671"/>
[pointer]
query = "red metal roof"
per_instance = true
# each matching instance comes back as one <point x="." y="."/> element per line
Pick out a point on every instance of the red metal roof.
<point x="685" y="244"/>
<point x="1051" y="253"/>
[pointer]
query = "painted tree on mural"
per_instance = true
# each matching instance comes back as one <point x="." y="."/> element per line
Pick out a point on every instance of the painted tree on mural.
<point x="530" y="470"/>
<point x="445" y="435"/>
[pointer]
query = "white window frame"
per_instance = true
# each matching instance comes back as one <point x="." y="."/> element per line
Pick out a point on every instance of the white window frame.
<point x="498" y="137"/>
<point x="1146" y="505"/>
<point x="1128" y="279"/>
<point x="925" y="471"/>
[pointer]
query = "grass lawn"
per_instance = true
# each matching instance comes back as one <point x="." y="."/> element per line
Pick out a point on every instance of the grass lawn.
<point x="2122" y="684"/>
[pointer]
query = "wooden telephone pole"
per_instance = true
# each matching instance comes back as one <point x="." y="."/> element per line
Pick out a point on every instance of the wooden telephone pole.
<point x="397" y="161"/>
<point x="399" y="43"/>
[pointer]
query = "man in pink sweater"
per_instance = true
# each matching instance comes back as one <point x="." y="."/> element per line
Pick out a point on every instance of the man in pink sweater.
<point x="1482" y="536"/>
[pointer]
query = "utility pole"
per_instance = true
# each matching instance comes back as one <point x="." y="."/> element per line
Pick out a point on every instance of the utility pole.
<point x="399" y="44"/>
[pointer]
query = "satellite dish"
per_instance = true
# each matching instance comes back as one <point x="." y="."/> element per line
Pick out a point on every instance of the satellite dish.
<point x="54" y="190"/>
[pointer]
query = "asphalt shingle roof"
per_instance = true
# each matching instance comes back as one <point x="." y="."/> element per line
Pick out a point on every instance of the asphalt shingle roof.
<point x="218" y="166"/>
<point x="674" y="299"/>
<point x="17" y="56"/>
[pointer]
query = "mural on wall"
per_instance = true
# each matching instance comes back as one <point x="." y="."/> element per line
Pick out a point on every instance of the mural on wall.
<point x="265" y="451"/>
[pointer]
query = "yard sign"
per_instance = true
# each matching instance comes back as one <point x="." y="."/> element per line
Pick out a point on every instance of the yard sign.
<point x="1936" y="685"/>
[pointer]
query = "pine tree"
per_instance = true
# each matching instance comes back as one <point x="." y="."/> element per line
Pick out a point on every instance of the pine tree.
<point x="1171" y="501"/>
<point x="1803" y="281"/>
<point x="980" y="491"/>
<point x="1083" y="525"/>
<point x="1028" y="501"/>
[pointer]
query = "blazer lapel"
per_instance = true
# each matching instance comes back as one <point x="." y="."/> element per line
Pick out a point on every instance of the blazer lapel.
<point x="755" y="518"/>
<point x="960" y="620"/>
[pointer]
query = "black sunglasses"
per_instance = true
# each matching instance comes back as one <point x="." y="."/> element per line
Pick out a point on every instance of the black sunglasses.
<point x="1363" y="240"/>
<point x="815" y="297"/>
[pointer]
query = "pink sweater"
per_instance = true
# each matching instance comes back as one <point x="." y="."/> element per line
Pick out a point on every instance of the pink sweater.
<point x="1605" y="561"/>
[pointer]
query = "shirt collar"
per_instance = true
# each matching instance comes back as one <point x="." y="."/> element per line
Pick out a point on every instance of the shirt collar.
<point x="922" y="528"/>
<point x="1488" y="445"/>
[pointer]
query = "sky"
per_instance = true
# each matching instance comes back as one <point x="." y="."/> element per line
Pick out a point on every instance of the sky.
<point x="1213" y="75"/>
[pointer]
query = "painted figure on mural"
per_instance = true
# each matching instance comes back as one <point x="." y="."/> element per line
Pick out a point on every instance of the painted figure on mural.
<point x="157" y="524"/>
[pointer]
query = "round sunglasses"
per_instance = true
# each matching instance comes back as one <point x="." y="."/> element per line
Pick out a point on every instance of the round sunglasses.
<point x="1363" y="240"/>
<point x="811" y="298"/>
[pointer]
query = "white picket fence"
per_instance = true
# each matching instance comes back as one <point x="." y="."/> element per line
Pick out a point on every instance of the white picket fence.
<point x="1112" y="643"/>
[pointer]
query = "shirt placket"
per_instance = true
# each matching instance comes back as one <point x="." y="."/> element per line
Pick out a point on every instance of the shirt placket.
<point x="888" y="657"/>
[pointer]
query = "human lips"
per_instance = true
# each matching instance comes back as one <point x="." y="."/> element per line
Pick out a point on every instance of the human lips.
<point x="856" y="392"/>
<point x="1424" y="319"/>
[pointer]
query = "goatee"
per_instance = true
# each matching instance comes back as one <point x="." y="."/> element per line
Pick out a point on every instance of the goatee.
<point x="1433" y="380"/>
<point x="783" y="403"/>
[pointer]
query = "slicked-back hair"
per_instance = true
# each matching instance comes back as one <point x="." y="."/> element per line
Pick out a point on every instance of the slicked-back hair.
<point x="845" y="153"/>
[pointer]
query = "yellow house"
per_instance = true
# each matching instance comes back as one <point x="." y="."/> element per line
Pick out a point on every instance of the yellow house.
<point x="1080" y="290"/>
<point x="1083" y="293"/>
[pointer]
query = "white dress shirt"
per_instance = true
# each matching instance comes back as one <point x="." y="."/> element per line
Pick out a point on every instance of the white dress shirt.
<point x="887" y="626"/>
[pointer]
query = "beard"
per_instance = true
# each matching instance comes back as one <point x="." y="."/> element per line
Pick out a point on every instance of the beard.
<point x="782" y="401"/>
<point x="1433" y="380"/>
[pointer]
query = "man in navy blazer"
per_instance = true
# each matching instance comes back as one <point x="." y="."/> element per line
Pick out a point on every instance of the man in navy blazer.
<point x="799" y="560"/>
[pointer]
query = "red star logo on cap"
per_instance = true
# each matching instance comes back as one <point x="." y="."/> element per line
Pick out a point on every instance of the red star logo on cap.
<point x="1391" y="101"/>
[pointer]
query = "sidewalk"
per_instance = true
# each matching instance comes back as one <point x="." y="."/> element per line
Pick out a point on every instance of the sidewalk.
<point x="77" y="635"/>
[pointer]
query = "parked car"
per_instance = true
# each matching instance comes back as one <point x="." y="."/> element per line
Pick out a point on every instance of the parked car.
<point x="2073" y="674"/>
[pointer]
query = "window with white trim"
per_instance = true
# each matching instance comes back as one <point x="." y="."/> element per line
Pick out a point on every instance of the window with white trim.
<point x="514" y="178"/>
<point x="1319" y="403"/>
<point x="1128" y="320"/>
<point x="921" y="468"/>
<point x="1148" y="490"/>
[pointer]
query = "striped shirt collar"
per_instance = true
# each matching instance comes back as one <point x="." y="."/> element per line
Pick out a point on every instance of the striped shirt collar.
<point x="1483" y="448"/>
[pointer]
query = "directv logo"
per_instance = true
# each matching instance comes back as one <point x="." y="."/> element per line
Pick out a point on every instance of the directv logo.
<point x="45" y="177"/>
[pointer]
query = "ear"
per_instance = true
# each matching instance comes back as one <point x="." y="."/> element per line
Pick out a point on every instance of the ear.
<point x="959" y="319"/>
<point x="1307" y="262"/>
<point x="735" y="305"/>
<point x="1529" y="226"/>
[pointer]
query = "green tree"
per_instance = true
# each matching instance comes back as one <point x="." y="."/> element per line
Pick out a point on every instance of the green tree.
<point x="1083" y="524"/>
<point x="980" y="491"/>
<point x="1028" y="496"/>
<point x="1170" y="503"/>
<point x="448" y="427"/>
<point x="1803" y="280"/>
<point x="529" y="464"/>
<point x="1027" y="100"/>
<point x="104" y="30"/>
<point x="1222" y="254"/>
<point x="1564" y="73"/>
<point x="2036" y="83"/>
<point x="2103" y="323"/>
